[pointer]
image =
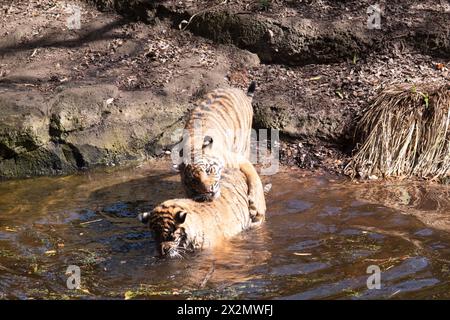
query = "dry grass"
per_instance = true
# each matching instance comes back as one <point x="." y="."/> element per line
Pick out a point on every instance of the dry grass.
<point x="405" y="133"/>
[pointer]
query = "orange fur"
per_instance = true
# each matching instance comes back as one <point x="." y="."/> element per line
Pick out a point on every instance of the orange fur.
<point x="183" y="225"/>
<point x="219" y="130"/>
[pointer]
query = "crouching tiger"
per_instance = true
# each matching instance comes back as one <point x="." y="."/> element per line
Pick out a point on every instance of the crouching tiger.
<point x="180" y="226"/>
<point x="217" y="136"/>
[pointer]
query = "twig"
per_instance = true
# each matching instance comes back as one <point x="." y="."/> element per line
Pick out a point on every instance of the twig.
<point x="89" y="222"/>
<point x="396" y="292"/>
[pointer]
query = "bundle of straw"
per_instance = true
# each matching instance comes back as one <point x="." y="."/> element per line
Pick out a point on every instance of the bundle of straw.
<point x="405" y="133"/>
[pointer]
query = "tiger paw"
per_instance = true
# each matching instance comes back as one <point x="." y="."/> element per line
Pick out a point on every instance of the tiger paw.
<point x="252" y="209"/>
<point x="258" y="219"/>
<point x="256" y="214"/>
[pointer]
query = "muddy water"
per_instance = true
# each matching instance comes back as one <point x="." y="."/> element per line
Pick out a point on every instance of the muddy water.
<point x="321" y="235"/>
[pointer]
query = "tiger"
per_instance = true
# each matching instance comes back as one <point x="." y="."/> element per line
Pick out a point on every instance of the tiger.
<point x="181" y="226"/>
<point x="218" y="134"/>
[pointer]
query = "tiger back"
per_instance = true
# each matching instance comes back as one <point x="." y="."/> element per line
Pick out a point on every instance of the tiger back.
<point x="218" y="135"/>
<point x="219" y="127"/>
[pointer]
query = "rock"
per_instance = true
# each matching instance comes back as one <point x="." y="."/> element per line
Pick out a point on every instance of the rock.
<point x="295" y="40"/>
<point x="23" y="127"/>
<point x="300" y="118"/>
<point x="52" y="134"/>
<point x="53" y="119"/>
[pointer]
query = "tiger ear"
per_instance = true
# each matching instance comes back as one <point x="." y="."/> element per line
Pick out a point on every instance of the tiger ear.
<point x="180" y="217"/>
<point x="144" y="217"/>
<point x="208" y="141"/>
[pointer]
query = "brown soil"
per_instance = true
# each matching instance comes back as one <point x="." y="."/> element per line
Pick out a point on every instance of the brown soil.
<point x="312" y="85"/>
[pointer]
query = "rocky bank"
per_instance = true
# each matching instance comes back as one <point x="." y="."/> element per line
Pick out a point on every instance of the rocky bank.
<point x="116" y="89"/>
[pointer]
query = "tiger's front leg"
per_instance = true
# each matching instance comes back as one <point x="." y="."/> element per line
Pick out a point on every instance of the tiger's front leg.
<point x="256" y="199"/>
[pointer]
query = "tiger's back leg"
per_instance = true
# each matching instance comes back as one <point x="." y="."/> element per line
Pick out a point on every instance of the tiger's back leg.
<point x="256" y="199"/>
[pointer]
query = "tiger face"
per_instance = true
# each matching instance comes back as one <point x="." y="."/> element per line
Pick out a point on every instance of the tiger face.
<point x="165" y="223"/>
<point x="201" y="179"/>
<point x="184" y="226"/>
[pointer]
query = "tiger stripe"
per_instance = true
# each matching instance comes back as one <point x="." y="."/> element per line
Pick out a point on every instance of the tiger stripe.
<point x="206" y="224"/>
<point x="217" y="136"/>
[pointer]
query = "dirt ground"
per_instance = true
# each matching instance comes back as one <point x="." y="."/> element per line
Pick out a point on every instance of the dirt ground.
<point x="314" y="101"/>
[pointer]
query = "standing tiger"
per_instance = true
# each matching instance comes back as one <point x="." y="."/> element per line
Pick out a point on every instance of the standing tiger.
<point x="217" y="135"/>
<point x="185" y="225"/>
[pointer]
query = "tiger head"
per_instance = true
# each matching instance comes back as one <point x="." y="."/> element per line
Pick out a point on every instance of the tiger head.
<point x="201" y="178"/>
<point x="166" y="224"/>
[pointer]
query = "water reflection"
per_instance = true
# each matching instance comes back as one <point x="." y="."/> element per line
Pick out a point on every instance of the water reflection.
<point x="321" y="235"/>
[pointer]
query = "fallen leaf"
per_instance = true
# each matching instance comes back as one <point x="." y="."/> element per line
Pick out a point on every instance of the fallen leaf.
<point x="50" y="252"/>
<point x="440" y="66"/>
<point x="129" y="295"/>
<point x="85" y="290"/>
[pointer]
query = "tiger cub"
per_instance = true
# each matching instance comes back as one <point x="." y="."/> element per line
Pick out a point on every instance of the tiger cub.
<point x="217" y="136"/>
<point x="180" y="226"/>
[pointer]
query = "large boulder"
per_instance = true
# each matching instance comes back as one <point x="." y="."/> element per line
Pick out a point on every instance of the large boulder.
<point x="81" y="127"/>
